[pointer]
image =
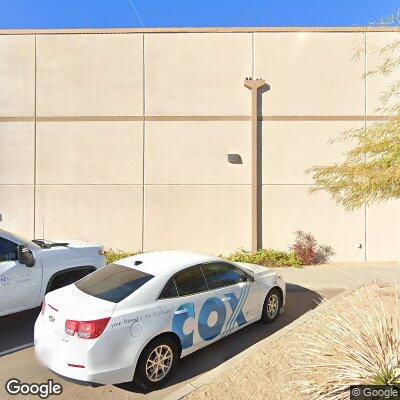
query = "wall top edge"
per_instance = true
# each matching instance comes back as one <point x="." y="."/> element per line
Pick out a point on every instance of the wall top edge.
<point x="196" y="30"/>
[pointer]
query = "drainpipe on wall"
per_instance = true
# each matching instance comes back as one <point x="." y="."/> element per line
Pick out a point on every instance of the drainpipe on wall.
<point x="254" y="85"/>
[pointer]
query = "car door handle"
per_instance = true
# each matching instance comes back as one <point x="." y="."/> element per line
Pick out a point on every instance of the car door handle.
<point x="183" y="311"/>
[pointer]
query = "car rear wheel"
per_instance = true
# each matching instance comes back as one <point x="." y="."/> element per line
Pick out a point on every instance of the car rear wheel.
<point x="272" y="306"/>
<point x="157" y="363"/>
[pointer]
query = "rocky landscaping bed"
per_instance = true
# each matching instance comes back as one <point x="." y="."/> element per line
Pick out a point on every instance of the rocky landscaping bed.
<point x="354" y="340"/>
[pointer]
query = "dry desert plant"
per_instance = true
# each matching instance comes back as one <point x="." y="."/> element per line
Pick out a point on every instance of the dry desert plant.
<point x="356" y="341"/>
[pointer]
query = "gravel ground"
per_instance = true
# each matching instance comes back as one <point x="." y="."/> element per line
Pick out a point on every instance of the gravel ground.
<point x="270" y="373"/>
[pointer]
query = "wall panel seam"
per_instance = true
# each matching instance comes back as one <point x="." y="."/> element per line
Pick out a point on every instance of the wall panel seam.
<point x="365" y="127"/>
<point x="143" y="140"/>
<point x="35" y="143"/>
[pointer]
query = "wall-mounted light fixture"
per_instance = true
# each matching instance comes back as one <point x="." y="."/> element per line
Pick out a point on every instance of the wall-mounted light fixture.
<point x="235" y="158"/>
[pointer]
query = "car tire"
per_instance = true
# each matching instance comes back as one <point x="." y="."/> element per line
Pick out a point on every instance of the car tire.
<point x="150" y="375"/>
<point x="271" y="307"/>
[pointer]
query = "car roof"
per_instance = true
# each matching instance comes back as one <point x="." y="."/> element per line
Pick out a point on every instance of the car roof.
<point x="160" y="262"/>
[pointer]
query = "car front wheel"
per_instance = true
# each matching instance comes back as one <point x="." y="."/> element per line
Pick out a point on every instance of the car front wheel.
<point x="272" y="306"/>
<point x="157" y="363"/>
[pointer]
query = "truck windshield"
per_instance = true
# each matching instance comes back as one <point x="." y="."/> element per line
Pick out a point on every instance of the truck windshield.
<point x="113" y="282"/>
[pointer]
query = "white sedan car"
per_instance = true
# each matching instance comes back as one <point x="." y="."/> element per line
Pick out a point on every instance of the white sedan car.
<point x="136" y="318"/>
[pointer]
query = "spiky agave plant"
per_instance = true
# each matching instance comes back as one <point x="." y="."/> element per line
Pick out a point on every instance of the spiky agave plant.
<point x="354" y="342"/>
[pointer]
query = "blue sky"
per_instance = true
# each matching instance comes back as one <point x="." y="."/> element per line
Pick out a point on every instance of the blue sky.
<point x="18" y="14"/>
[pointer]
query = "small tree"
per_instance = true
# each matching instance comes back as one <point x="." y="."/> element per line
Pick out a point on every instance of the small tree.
<point x="370" y="172"/>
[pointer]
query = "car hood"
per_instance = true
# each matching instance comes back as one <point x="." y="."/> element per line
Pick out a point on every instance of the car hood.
<point x="63" y="253"/>
<point x="74" y="244"/>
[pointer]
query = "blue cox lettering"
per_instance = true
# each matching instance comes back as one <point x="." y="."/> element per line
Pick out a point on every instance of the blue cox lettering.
<point x="213" y="304"/>
<point x="184" y="312"/>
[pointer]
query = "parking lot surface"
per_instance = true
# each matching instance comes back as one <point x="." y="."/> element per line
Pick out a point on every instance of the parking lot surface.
<point x="16" y="331"/>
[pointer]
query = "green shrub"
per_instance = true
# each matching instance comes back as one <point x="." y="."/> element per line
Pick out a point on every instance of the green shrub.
<point x="115" y="255"/>
<point x="266" y="257"/>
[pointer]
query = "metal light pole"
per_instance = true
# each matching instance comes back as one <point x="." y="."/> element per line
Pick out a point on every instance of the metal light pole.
<point x="254" y="85"/>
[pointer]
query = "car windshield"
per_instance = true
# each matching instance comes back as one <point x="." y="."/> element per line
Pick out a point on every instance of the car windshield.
<point x="18" y="239"/>
<point x="113" y="282"/>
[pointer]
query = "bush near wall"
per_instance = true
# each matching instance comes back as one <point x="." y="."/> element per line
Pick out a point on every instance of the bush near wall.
<point x="115" y="255"/>
<point x="305" y="251"/>
<point x="309" y="251"/>
<point x="266" y="257"/>
<point x="269" y="258"/>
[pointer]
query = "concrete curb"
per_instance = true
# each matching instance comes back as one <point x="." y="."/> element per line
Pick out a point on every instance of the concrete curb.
<point x="231" y="363"/>
<point x="15" y="349"/>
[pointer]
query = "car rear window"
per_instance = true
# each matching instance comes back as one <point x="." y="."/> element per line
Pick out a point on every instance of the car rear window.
<point x="113" y="282"/>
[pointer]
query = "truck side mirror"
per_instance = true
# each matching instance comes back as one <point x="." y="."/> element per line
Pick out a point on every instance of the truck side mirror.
<point x="25" y="256"/>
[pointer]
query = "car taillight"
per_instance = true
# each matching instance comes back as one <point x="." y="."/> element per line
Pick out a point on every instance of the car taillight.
<point x="43" y="307"/>
<point x="86" y="329"/>
<point x="71" y="327"/>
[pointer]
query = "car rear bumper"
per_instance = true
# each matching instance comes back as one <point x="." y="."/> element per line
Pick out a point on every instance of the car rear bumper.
<point x="75" y="362"/>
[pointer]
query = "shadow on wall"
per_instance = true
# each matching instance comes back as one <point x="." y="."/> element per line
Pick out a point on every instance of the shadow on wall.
<point x="260" y="93"/>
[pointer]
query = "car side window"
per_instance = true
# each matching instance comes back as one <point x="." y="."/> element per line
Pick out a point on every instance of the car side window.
<point x="8" y="250"/>
<point x="190" y="281"/>
<point x="169" y="290"/>
<point x="220" y="275"/>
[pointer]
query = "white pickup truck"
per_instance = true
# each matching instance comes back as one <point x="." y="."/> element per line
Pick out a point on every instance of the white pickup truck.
<point x="31" y="268"/>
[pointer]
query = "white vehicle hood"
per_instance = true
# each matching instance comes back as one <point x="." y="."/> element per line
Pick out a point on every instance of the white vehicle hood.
<point x="75" y="244"/>
<point x="61" y="254"/>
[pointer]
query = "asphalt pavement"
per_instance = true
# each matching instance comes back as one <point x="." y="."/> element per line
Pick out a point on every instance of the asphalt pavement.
<point x="16" y="332"/>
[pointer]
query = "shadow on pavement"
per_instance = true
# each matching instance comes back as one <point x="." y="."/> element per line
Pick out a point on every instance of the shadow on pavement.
<point x="299" y="301"/>
<point x="17" y="329"/>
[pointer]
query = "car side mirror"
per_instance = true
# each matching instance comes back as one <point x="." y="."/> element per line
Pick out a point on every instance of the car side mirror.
<point x="25" y="256"/>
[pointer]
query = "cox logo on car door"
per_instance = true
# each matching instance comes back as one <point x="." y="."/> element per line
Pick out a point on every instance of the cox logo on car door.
<point x="187" y="311"/>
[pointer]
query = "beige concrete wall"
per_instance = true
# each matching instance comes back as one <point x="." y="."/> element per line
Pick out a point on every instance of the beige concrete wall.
<point x="17" y="99"/>
<point x="197" y="74"/>
<point x="123" y="138"/>
<point x="89" y="75"/>
<point x="17" y="76"/>
<point x="310" y="73"/>
<point x="89" y="152"/>
<point x="208" y="218"/>
<point x="378" y="83"/>
<point x="290" y="148"/>
<point x="197" y="153"/>
<point x="108" y="214"/>
<point x="17" y="209"/>
<point x="382" y="220"/>
<point x="17" y="152"/>
<point x="288" y="208"/>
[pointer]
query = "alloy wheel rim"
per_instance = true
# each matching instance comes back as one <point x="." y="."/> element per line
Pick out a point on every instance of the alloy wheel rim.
<point x="272" y="306"/>
<point x="159" y="363"/>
